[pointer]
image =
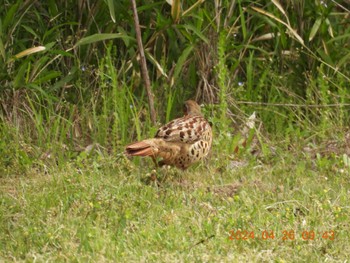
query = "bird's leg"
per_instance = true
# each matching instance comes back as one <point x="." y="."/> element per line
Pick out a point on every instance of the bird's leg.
<point x="157" y="170"/>
<point x="155" y="161"/>
<point x="162" y="169"/>
<point x="151" y="177"/>
<point x="165" y="172"/>
<point x="161" y="163"/>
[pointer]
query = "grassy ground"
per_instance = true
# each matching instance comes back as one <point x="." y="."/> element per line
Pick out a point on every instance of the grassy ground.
<point x="71" y="79"/>
<point x="106" y="209"/>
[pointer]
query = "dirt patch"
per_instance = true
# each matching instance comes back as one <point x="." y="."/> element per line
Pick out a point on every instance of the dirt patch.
<point x="227" y="190"/>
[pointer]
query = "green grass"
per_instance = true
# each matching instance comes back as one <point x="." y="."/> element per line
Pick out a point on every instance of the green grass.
<point x="105" y="209"/>
<point x="66" y="113"/>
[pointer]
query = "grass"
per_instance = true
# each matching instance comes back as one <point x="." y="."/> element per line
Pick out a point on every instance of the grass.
<point x="104" y="209"/>
<point x="68" y="110"/>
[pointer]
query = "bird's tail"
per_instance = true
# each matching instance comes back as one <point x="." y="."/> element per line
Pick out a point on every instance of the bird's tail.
<point x="141" y="148"/>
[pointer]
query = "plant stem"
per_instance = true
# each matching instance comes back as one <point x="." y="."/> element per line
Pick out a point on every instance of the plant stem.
<point x="144" y="70"/>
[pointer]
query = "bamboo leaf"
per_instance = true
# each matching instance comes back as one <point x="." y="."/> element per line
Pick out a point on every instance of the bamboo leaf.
<point x="330" y="30"/>
<point x="346" y="160"/>
<point x="315" y="28"/>
<point x="126" y="40"/>
<point x="291" y="30"/>
<point x="250" y="74"/>
<point x="343" y="60"/>
<point x="2" y="48"/>
<point x="339" y="38"/>
<point x="325" y="57"/>
<point x="65" y="79"/>
<point x="100" y="37"/>
<point x="243" y="23"/>
<point x="29" y="51"/>
<point x="10" y="15"/>
<point x="175" y="10"/>
<point x="155" y="62"/>
<point x="48" y="76"/>
<point x="197" y="32"/>
<point x="19" y="79"/>
<point x="181" y="61"/>
<point x="189" y="10"/>
<point x="278" y="5"/>
<point x="111" y="9"/>
<point x="30" y="30"/>
<point x="266" y="36"/>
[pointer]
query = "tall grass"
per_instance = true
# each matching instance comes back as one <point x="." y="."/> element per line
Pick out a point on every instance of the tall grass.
<point x="82" y="86"/>
<point x="71" y="98"/>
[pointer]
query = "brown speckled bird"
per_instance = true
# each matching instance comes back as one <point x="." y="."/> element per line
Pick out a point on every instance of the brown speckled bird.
<point x="180" y="142"/>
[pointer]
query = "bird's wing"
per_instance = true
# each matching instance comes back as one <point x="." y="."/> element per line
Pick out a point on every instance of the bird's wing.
<point x="188" y="129"/>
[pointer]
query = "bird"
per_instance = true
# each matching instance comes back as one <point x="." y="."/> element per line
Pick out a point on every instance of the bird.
<point x="180" y="143"/>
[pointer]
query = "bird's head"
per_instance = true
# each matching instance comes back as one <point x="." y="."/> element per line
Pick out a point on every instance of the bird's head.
<point x="192" y="108"/>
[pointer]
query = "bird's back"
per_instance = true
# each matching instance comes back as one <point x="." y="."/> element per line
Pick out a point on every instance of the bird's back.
<point x="181" y="142"/>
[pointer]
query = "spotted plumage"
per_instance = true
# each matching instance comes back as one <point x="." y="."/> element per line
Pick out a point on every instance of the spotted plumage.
<point x="181" y="142"/>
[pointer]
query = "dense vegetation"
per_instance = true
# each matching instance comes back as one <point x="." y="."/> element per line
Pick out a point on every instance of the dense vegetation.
<point x="72" y="96"/>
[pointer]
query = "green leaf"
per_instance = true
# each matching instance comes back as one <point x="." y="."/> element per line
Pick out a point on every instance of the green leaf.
<point x="65" y="79"/>
<point x="48" y="76"/>
<point x="19" y="79"/>
<point x="30" y="30"/>
<point x="330" y="30"/>
<point x="111" y="9"/>
<point x="346" y="160"/>
<point x="243" y="23"/>
<point x="250" y="73"/>
<point x="52" y="7"/>
<point x="325" y="57"/>
<point x="338" y="38"/>
<point x="156" y="63"/>
<point x="191" y="8"/>
<point x="57" y="29"/>
<point x="315" y="28"/>
<point x="48" y="46"/>
<point x="41" y="92"/>
<point x="62" y="53"/>
<point x="10" y="15"/>
<point x="181" y="61"/>
<point x="101" y="37"/>
<point x="2" y="48"/>
<point x="196" y="31"/>
<point x="2" y="51"/>
<point x="30" y="51"/>
<point x="343" y="60"/>
<point x="175" y="10"/>
<point x="126" y="39"/>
